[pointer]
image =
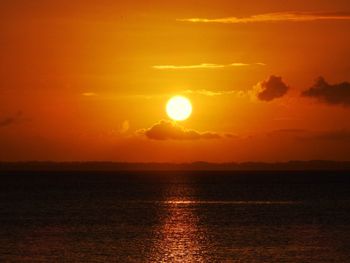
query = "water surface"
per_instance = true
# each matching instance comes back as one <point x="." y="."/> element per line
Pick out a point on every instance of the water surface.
<point x="174" y="217"/>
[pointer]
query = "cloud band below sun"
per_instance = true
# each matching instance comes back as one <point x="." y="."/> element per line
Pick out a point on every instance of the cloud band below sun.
<point x="167" y="130"/>
<point x="272" y="17"/>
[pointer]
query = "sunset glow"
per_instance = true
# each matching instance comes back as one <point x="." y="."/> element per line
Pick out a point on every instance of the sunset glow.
<point x="175" y="131"/>
<point x="95" y="80"/>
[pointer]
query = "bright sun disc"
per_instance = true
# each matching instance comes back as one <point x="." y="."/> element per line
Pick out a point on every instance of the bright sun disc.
<point x="179" y="108"/>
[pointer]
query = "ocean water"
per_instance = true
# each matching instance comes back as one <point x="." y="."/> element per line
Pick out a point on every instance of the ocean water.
<point x="174" y="217"/>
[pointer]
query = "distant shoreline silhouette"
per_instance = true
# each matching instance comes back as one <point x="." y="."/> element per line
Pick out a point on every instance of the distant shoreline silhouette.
<point x="314" y="165"/>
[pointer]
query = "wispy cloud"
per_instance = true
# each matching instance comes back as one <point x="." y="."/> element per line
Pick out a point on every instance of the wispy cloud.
<point x="204" y="66"/>
<point x="205" y="92"/>
<point x="342" y="136"/>
<point x="8" y="121"/>
<point x="273" y="17"/>
<point x="89" y="94"/>
<point x="125" y="126"/>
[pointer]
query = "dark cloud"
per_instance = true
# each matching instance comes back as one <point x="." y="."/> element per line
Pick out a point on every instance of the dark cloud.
<point x="166" y="130"/>
<point x="10" y="120"/>
<point x="289" y="131"/>
<point x="342" y="136"/>
<point x="7" y="121"/>
<point x="310" y="135"/>
<point x="337" y="94"/>
<point x="337" y="135"/>
<point x="271" y="89"/>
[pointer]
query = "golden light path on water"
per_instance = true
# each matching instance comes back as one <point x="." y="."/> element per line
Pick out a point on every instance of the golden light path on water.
<point x="182" y="235"/>
<point x="181" y="238"/>
<point x="201" y="202"/>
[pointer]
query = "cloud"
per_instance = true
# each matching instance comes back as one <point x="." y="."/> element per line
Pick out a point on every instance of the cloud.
<point x="10" y="120"/>
<point x="89" y="94"/>
<point x="342" y="135"/>
<point x="210" y="93"/>
<point x="125" y="126"/>
<point x="203" y="66"/>
<point x="304" y="135"/>
<point x="338" y="135"/>
<point x="270" y="89"/>
<point x="167" y="130"/>
<point x="337" y="94"/>
<point x="273" y="17"/>
<point x="7" y="121"/>
<point x="289" y="131"/>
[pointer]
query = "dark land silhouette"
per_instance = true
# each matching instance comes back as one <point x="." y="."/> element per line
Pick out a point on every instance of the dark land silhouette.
<point x="314" y="165"/>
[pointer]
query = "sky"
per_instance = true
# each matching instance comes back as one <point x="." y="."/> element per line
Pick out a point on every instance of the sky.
<point x="89" y="80"/>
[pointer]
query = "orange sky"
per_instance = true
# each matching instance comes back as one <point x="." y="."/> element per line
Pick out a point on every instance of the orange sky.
<point x="86" y="80"/>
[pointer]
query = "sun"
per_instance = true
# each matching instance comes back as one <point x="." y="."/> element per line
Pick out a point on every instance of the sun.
<point x="179" y="108"/>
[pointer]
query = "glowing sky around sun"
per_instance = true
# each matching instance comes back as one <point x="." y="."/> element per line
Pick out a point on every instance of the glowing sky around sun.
<point x="90" y="80"/>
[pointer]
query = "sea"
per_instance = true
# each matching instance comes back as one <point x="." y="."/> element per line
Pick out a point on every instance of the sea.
<point x="175" y="216"/>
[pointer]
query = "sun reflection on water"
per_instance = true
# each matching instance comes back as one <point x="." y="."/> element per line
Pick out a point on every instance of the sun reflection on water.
<point x="181" y="239"/>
